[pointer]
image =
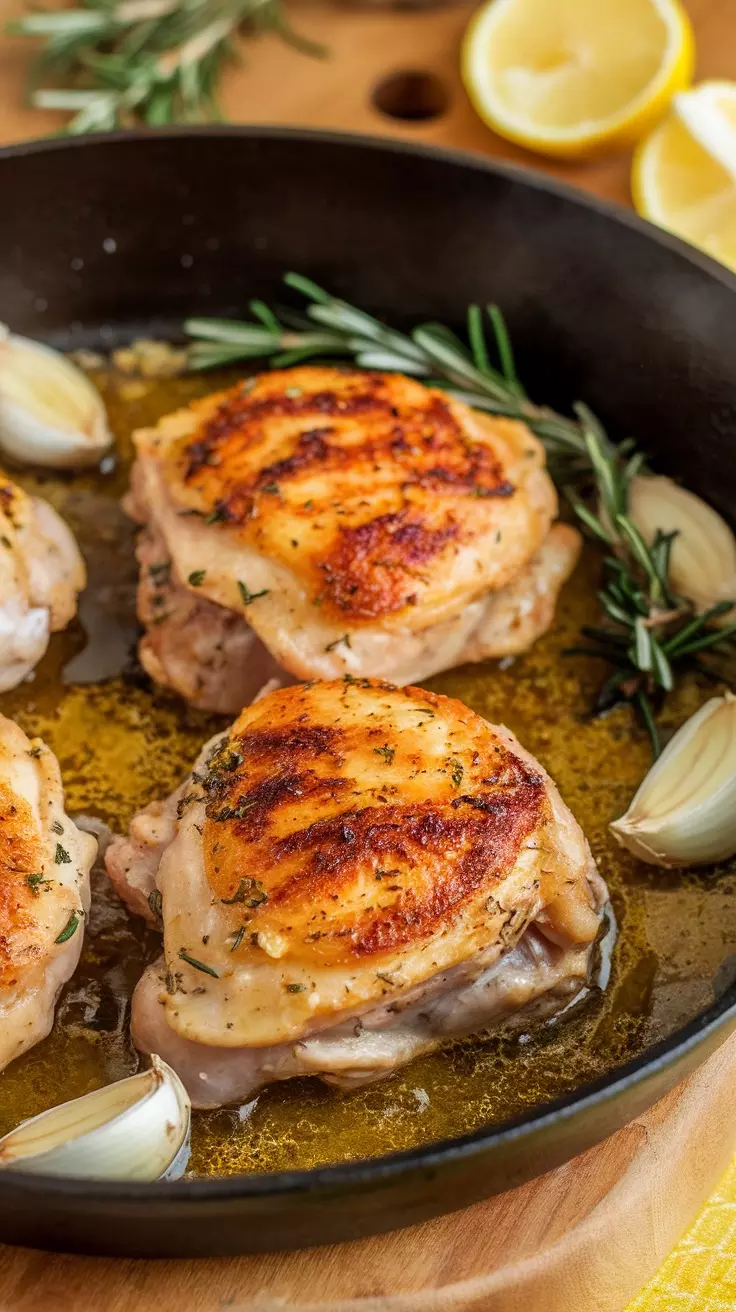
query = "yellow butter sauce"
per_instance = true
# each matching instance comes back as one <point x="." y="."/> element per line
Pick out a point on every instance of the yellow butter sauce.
<point x="120" y="744"/>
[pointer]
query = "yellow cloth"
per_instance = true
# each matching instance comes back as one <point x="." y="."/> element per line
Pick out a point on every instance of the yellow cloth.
<point x="700" y="1274"/>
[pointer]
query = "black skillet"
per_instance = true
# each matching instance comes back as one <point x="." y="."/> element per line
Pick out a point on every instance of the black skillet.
<point x="92" y="235"/>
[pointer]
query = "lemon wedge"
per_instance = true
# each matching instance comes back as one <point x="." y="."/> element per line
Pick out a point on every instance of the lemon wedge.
<point x="684" y="175"/>
<point x="572" y="77"/>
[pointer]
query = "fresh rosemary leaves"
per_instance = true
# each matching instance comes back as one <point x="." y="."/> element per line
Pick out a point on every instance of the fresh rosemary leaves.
<point x="116" y="65"/>
<point x="649" y="632"/>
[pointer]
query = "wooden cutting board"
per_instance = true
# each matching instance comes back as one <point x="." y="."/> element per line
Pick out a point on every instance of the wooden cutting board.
<point x="367" y="44"/>
<point x="584" y="1238"/>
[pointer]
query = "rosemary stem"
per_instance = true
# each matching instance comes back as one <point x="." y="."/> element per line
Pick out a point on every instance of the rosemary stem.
<point x="644" y="707"/>
<point x="651" y="628"/>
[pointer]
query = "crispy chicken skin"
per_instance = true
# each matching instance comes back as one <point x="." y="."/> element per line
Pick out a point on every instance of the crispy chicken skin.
<point x="352" y="858"/>
<point x="41" y="573"/>
<point x="44" y="882"/>
<point x="355" y="521"/>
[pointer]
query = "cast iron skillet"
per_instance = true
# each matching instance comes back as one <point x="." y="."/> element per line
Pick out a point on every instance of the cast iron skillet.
<point x="92" y="235"/>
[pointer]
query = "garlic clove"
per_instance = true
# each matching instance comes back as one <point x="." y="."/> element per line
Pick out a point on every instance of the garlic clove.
<point x="135" y="1129"/>
<point x="50" y="412"/>
<point x="684" y="813"/>
<point x="703" y="555"/>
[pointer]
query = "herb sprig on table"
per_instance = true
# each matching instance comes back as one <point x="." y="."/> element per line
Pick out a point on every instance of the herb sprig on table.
<point x="649" y="634"/>
<point x="113" y="65"/>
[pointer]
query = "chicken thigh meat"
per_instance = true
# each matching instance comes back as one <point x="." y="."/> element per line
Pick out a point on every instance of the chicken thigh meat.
<point x="41" y="573"/>
<point x="352" y="875"/>
<point x="327" y="520"/>
<point x="44" y="890"/>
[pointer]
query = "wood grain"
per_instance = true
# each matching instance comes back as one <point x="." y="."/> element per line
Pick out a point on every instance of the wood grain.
<point x="583" y="1238"/>
<point x="277" y="84"/>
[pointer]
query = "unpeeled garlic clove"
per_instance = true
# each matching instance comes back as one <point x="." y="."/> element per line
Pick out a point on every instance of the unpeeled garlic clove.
<point x="135" y="1129"/>
<point x="50" y="412"/>
<point x="703" y="555"/>
<point x="684" y="813"/>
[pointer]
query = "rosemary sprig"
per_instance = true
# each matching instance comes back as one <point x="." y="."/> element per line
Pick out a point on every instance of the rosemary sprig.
<point x="142" y="61"/>
<point x="649" y="632"/>
<point x="431" y="352"/>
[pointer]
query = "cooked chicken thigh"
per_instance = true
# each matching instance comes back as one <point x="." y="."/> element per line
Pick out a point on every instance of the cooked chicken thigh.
<point x="41" y="573"/>
<point x="350" y="876"/>
<point x="330" y="520"/>
<point x="44" y="890"/>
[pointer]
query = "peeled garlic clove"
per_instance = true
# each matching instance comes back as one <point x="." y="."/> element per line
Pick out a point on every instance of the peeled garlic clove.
<point x="136" y="1129"/>
<point x="50" y="413"/>
<point x="684" y="813"/>
<point x="703" y="555"/>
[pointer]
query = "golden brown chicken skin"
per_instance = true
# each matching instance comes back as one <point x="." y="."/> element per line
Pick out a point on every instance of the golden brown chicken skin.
<point x="373" y="814"/>
<point x="368" y="486"/>
<point x="44" y="890"/>
<point x="354" y="521"/>
<point x="345" y="843"/>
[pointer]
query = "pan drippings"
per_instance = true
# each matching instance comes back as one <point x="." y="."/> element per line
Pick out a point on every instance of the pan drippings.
<point x="120" y="743"/>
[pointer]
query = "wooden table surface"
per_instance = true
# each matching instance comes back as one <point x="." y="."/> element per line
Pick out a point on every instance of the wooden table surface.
<point x="558" y="1243"/>
<point x="277" y="84"/>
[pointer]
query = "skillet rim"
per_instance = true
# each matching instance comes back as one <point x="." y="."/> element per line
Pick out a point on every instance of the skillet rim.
<point x="654" y="1060"/>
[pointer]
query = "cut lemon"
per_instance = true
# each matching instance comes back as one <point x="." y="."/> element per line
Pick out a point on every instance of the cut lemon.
<point x="571" y="77"/>
<point x="684" y="175"/>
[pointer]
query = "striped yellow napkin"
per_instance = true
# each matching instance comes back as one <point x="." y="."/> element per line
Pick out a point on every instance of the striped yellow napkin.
<point x="700" y="1274"/>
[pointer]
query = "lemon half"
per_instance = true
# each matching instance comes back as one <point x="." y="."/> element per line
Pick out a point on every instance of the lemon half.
<point x="571" y="77"/>
<point x="684" y="175"/>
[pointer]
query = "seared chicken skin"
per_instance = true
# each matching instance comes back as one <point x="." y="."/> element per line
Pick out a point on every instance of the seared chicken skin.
<point x="41" y="573"/>
<point x="344" y="521"/>
<point x="44" y="890"/>
<point x="351" y="875"/>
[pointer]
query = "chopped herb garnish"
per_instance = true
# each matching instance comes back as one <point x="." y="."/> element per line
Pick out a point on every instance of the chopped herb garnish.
<point x="35" y="882"/>
<point x="161" y="619"/>
<point x="249" y="891"/>
<point x="35" y="752"/>
<point x="196" y="578"/>
<point x="217" y="515"/>
<point x="57" y="827"/>
<point x="238" y="938"/>
<point x="273" y="488"/>
<point x="156" y="903"/>
<point x="387" y="752"/>
<point x="246" y="596"/>
<point x="308" y="504"/>
<point x="232" y="812"/>
<point x="457" y="773"/>
<point x="184" y="802"/>
<point x="332" y="645"/>
<point x="198" y="965"/>
<point x="295" y="988"/>
<point x="69" y="928"/>
<point x="61" y="856"/>
<point x="225" y="759"/>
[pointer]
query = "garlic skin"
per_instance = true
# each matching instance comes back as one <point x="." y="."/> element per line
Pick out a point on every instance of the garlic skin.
<point x="703" y="555"/>
<point x="135" y="1129"/>
<point x="684" y="813"/>
<point x="50" y="413"/>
